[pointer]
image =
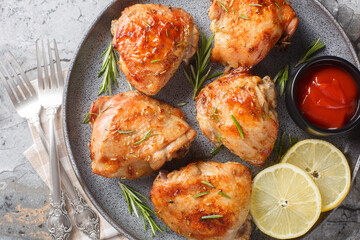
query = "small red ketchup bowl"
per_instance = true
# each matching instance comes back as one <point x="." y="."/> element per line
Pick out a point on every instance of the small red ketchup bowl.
<point x="323" y="97"/>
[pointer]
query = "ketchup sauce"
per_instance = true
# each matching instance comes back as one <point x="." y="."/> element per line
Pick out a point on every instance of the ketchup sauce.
<point x="327" y="96"/>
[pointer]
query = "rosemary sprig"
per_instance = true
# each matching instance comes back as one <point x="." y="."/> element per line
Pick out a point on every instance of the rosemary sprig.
<point x="148" y="134"/>
<point x="310" y="50"/>
<point x="255" y="5"/>
<point x="223" y="194"/>
<point x="238" y="126"/>
<point x="207" y="183"/>
<point x="211" y="217"/>
<point x="281" y="78"/>
<point x="200" y="194"/>
<point x="124" y="131"/>
<point x="87" y="115"/>
<point x="136" y="205"/>
<point x="108" y="69"/>
<point x="223" y="6"/>
<point x="197" y="75"/>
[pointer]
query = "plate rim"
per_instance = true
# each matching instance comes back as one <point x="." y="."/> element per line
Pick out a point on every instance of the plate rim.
<point x="78" y="175"/>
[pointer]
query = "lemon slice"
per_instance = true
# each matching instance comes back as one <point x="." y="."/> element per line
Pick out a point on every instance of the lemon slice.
<point x="285" y="202"/>
<point x="326" y="165"/>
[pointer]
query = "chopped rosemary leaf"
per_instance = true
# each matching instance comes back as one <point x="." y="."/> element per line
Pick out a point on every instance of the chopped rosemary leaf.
<point x="243" y="16"/>
<point x="233" y="10"/>
<point x="211" y="216"/>
<point x="181" y="104"/>
<point x="279" y="149"/>
<point x="223" y="6"/>
<point x="238" y="126"/>
<point x="277" y="5"/>
<point x="215" y="117"/>
<point x="225" y="94"/>
<point x="216" y="110"/>
<point x="310" y="50"/>
<point x="281" y="78"/>
<point x="87" y="115"/>
<point x="157" y="60"/>
<point x="200" y="194"/>
<point x="147" y="24"/>
<point x="255" y="5"/>
<point x="223" y="194"/>
<point x="165" y="228"/>
<point x="124" y="131"/>
<point x="207" y="183"/>
<point x="148" y="134"/>
<point x="167" y="34"/>
<point x="267" y="115"/>
<point x="217" y="150"/>
<point x="231" y="3"/>
<point x="219" y="139"/>
<point x="135" y="204"/>
<point x="180" y="44"/>
<point x="262" y="116"/>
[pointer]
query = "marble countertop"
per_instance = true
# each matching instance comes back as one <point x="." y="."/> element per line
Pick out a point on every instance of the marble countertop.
<point x="23" y="195"/>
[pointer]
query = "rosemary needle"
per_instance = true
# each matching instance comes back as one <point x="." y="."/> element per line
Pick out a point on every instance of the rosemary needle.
<point x="181" y="104"/>
<point x="157" y="60"/>
<point x="207" y="183"/>
<point x="211" y="216"/>
<point x="243" y="16"/>
<point x="224" y="195"/>
<point x="238" y="126"/>
<point x="136" y="205"/>
<point x="147" y="24"/>
<point x="200" y="194"/>
<point x="87" y="115"/>
<point x="223" y="6"/>
<point x="124" y="131"/>
<point x="217" y="150"/>
<point x="255" y="5"/>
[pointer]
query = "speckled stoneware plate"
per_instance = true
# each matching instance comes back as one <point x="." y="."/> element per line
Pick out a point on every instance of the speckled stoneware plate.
<point x="83" y="86"/>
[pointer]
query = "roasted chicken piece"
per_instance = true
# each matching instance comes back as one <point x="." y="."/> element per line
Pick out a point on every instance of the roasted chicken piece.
<point x="152" y="40"/>
<point x="246" y="30"/>
<point x="245" y="99"/>
<point x="134" y="135"/>
<point x="185" y="202"/>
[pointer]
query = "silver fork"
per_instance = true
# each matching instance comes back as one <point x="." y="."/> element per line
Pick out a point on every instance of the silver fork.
<point x="27" y="106"/>
<point x="50" y="97"/>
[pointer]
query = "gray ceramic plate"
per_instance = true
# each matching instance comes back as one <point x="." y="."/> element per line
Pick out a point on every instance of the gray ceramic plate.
<point x="83" y="85"/>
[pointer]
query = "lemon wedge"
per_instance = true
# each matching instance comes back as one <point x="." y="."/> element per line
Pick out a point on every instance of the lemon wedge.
<point x="326" y="165"/>
<point x="285" y="202"/>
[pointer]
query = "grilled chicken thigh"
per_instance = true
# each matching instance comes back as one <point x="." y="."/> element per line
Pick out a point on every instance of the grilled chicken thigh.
<point x="246" y="30"/>
<point x="239" y="97"/>
<point x="177" y="202"/>
<point x="152" y="40"/>
<point x="134" y="135"/>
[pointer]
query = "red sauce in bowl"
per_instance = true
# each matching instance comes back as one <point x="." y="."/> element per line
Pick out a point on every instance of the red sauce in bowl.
<point x="327" y="96"/>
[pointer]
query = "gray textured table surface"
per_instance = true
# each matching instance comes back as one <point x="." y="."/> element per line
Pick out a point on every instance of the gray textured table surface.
<point x="23" y="195"/>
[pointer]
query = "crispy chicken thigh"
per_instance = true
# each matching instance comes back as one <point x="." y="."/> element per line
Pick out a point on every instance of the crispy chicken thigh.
<point x="244" y="33"/>
<point x="152" y="40"/>
<point x="173" y="198"/>
<point x="250" y="101"/>
<point x="134" y="135"/>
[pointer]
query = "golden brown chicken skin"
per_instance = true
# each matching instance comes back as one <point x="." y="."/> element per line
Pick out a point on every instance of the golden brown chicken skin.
<point x="134" y="135"/>
<point x="251" y="101"/>
<point x="173" y="198"/>
<point x="244" y="33"/>
<point x="152" y="40"/>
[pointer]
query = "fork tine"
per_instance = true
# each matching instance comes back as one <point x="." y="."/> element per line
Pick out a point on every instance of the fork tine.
<point x="52" y="68"/>
<point x="47" y="83"/>
<point x="58" y="66"/>
<point x="39" y="70"/>
<point x="13" y="85"/>
<point x="8" y="89"/>
<point x="25" y="78"/>
<point x="18" y="80"/>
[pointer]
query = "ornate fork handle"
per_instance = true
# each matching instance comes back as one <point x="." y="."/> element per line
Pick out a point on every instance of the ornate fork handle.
<point x="85" y="218"/>
<point x="59" y="223"/>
